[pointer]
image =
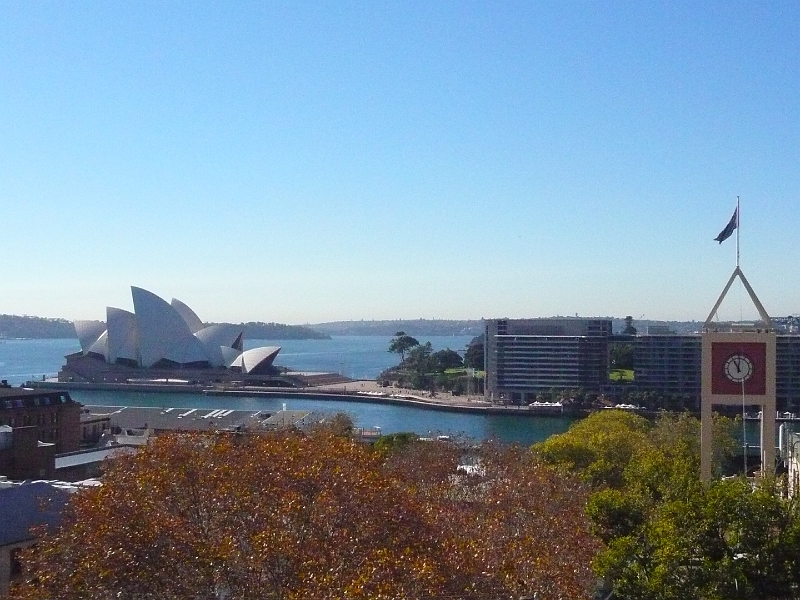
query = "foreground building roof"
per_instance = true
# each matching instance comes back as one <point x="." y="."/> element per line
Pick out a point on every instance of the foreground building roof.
<point x="26" y="506"/>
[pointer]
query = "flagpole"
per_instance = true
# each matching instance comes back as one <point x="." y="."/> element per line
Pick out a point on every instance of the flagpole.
<point x="744" y="413"/>
<point x="738" y="214"/>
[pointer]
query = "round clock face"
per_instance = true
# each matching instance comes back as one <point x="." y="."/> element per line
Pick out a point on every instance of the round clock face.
<point x="738" y="368"/>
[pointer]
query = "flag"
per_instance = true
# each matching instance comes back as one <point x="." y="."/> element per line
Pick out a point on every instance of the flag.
<point x="728" y="231"/>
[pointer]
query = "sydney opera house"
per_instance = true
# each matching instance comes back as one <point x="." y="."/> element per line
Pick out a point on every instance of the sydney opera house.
<point x="161" y="341"/>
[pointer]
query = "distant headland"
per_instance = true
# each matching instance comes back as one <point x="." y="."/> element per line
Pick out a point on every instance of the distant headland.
<point x="15" y="326"/>
<point x="474" y="327"/>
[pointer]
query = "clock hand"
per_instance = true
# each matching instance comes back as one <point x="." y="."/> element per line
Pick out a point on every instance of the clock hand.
<point x="737" y="362"/>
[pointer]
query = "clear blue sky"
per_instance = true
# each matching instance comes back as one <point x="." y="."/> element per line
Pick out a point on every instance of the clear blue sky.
<point x="311" y="161"/>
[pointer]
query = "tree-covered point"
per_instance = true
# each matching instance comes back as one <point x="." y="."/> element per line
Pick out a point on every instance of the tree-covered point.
<point x="421" y="368"/>
<point x="414" y="327"/>
<point x="279" y="331"/>
<point x="14" y="326"/>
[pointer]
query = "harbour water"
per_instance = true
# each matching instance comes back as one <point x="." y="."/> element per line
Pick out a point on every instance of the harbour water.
<point x="359" y="357"/>
<point x="355" y="356"/>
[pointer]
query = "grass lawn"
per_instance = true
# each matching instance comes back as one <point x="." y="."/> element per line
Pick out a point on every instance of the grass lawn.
<point x="462" y="371"/>
<point x="621" y="375"/>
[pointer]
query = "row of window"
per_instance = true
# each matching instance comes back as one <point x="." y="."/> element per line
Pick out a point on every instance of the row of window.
<point x="26" y="420"/>
<point x="35" y="401"/>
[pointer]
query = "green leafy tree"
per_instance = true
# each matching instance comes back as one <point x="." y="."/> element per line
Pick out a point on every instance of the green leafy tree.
<point x="629" y="328"/>
<point x="647" y="498"/>
<point x="621" y="356"/>
<point x="420" y="359"/>
<point x="473" y="357"/>
<point x="447" y="359"/>
<point x="340" y="424"/>
<point x="599" y="447"/>
<point x="392" y="442"/>
<point x="726" y="540"/>
<point x="402" y="343"/>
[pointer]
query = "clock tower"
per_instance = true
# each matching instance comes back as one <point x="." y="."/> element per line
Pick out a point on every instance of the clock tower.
<point x="738" y="369"/>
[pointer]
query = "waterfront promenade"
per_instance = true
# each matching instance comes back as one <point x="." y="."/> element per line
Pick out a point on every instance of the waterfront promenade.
<point x="370" y="391"/>
<point x="367" y="391"/>
<point x="373" y="389"/>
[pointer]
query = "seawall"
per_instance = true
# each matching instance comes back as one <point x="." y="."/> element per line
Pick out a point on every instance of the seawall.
<point x="348" y="396"/>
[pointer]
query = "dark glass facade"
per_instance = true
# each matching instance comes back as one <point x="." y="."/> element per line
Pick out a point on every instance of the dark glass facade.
<point x="671" y="364"/>
<point x="528" y="356"/>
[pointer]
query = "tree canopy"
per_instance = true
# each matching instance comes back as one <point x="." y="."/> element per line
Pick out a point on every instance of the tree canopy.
<point x="447" y="359"/>
<point x="629" y="328"/>
<point x="730" y="539"/>
<point x="621" y="355"/>
<point x="293" y="516"/>
<point x="402" y="343"/>
<point x="422" y="368"/>
<point x="667" y="535"/>
<point x="473" y="357"/>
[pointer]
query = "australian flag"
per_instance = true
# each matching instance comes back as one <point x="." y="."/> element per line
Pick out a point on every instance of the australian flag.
<point x="728" y="231"/>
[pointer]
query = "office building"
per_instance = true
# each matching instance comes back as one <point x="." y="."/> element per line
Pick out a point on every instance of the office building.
<point x="670" y="365"/>
<point x="525" y="357"/>
<point x="787" y="373"/>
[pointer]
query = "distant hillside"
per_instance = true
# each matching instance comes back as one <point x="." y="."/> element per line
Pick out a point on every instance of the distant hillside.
<point x="434" y="327"/>
<point x="278" y="331"/>
<point x="420" y="327"/>
<point x="642" y="326"/>
<point x="14" y="326"/>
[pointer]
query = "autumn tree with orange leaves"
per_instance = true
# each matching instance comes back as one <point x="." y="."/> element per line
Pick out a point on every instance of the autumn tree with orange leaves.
<point x="293" y="516"/>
